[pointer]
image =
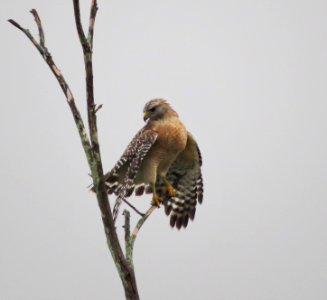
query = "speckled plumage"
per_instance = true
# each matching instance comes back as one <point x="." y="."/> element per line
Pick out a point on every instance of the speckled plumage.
<point x="161" y="154"/>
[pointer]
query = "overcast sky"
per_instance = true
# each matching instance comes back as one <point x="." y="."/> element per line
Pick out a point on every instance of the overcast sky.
<point x="248" y="79"/>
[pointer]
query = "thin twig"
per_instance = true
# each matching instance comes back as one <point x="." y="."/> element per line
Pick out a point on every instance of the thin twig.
<point x="92" y="188"/>
<point x="79" y="27"/>
<point x="141" y="222"/>
<point x="93" y="11"/>
<point x="127" y="226"/>
<point x="128" y="247"/>
<point x="87" y="50"/>
<point x="133" y="207"/>
<point x="131" y="241"/>
<point x="97" y="108"/>
<point x="64" y="86"/>
<point x="29" y="35"/>
<point x="39" y="26"/>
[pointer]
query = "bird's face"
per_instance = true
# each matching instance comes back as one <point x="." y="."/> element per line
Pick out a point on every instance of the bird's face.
<point x="155" y="109"/>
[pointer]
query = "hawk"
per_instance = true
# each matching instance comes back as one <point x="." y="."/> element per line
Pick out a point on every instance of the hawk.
<point x="163" y="159"/>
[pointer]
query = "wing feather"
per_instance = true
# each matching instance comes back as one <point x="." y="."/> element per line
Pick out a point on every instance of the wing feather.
<point x="132" y="157"/>
<point x="186" y="178"/>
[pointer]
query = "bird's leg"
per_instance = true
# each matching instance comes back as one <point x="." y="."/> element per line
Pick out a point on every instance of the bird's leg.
<point x="169" y="189"/>
<point x="155" y="198"/>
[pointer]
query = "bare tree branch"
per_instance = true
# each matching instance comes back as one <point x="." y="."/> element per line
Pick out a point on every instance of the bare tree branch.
<point x="133" y="207"/>
<point x="79" y="27"/>
<point x="63" y="84"/>
<point x="39" y="26"/>
<point x="29" y="35"/>
<point x="93" y="157"/>
<point x="87" y="50"/>
<point x="129" y="242"/>
<point x="127" y="228"/>
<point x="128" y="247"/>
<point x="124" y="264"/>
<point x="125" y="271"/>
<point x="141" y="222"/>
<point x="93" y="11"/>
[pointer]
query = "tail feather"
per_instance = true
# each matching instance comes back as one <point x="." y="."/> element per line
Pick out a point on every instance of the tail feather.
<point x="116" y="207"/>
<point x="189" y="190"/>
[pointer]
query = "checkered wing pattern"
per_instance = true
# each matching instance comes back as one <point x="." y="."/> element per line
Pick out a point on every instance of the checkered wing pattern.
<point x="120" y="180"/>
<point x="186" y="178"/>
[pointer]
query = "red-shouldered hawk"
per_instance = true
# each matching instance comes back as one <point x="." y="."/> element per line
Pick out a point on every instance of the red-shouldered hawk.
<point x="163" y="159"/>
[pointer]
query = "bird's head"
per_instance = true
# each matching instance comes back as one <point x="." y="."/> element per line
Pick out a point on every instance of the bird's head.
<point x="157" y="109"/>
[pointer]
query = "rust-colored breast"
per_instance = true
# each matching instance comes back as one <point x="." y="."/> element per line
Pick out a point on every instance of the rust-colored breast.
<point x="172" y="136"/>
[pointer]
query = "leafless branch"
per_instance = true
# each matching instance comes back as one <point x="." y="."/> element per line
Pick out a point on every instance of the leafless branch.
<point x="93" y="11"/>
<point x="39" y="26"/>
<point x="62" y="82"/>
<point x="141" y="222"/>
<point x="133" y="207"/>
<point x="79" y="27"/>
<point x="124" y="264"/>
<point x="130" y="239"/>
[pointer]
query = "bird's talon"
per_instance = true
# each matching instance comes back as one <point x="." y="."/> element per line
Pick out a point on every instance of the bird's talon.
<point x="156" y="200"/>
<point x="170" y="190"/>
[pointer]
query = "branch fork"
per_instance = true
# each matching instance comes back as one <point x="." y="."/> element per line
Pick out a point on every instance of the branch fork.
<point x="90" y="143"/>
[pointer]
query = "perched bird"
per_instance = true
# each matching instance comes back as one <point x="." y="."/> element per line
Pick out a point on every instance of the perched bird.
<point x="162" y="159"/>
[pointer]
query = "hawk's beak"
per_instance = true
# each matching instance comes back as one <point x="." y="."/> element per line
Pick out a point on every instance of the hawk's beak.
<point x="145" y="116"/>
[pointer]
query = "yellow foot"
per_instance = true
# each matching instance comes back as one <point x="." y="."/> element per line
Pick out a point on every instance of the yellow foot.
<point x="170" y="190"/>
<point x="156" y="200"/>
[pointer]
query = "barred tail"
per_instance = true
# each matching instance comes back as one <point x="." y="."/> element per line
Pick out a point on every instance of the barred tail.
<point x="116" y="207"/>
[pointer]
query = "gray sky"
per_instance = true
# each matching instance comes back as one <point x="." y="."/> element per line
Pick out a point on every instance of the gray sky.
<point x="248" y="78"/>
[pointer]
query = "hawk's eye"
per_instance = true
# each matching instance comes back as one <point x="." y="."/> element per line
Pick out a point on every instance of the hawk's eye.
<point x="152" y="109"/>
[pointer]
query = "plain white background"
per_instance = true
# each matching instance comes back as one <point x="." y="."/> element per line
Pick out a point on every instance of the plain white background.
<point x="248" y="78"/>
